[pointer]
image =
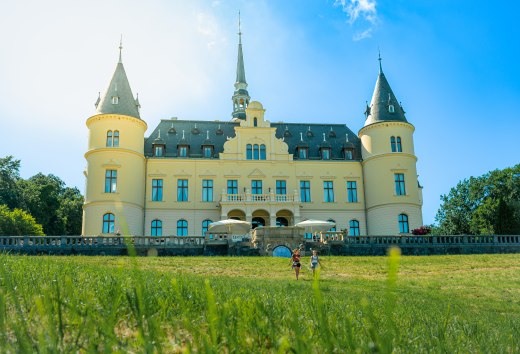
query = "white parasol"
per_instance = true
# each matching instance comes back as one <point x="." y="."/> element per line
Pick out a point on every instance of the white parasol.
<point x="230" y="226"/>
<point x="316" y="225"/>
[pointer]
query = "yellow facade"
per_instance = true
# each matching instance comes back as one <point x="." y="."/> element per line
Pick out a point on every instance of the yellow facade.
<point x="186" y="174"/>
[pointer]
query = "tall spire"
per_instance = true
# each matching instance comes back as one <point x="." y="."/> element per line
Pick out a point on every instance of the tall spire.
<point x="118" y="98"/>
<point x="384" y="105"/>
<point x="240" y="97"/>
<point x="120" y="49"/>
<point x="380" y="66"/>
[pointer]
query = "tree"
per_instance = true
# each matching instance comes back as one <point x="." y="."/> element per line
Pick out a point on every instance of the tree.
<point x="18" y="223"/>
<point x="71" y="210"/>
<point x="9" y="175"/>
<point x="489" y="204"/>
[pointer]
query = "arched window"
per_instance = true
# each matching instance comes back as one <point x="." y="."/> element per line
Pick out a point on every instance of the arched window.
<point x="392" y="144"/>
<point x="116" y="138"/>
<point x="256" y="152"/>
<point x="391" y="108"/>
<point x="109" y="138"/>
<point x="108" y="223"/>
<point x="249" y="152"/>
<point x="255" y="122"/>
<point x="182" y="228"/>
<point x="156" y="228"/>
<point x="353" y="228"/>
<point x="205" y="226"/>
<point x="262" y="152"/>
<point x="399" y="147"/>
<point x="332" y="229"/>
<point x="403" y="224"/>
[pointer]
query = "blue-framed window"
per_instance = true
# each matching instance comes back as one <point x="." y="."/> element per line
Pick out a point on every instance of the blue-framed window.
<point x="157" y="190"/>
<point x="328" y="191"/>
<point x="108" y="223"/>
<point x="156" y="227"/>
<point x="353" y="228"/>
<point x="110" y="181"/>
<point x="232" y="186"/>
<point x="182" y="228"/>
<point x="352" y="191"/>
<point x="403" y="223"/>
<point x="256" y="186"/>
<point x="207" y="190"/>
<point x="305" y="191"/>
<point x="182" y="190"/>
<point x="399" y="184"/>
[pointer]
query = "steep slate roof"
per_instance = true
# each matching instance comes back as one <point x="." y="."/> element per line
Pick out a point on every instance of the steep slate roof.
<point x="196" y="132"/>
<point x="118" y="87"/>
<point x="382" y="98"/>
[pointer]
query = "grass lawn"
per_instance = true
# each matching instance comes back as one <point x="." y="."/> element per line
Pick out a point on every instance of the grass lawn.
<point x="466" y="303"/>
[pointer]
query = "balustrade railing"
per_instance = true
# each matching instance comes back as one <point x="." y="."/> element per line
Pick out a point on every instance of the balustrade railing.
<point x="259" y="198"/>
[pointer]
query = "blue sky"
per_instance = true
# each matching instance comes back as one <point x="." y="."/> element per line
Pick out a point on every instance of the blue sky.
<point x="453" y="64"/>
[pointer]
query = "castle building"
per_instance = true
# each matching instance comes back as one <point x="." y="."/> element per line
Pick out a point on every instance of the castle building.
<point x="189" y="173"/>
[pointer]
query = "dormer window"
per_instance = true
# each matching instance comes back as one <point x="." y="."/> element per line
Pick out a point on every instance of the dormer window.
<point x="115" y="100"/>
<point x="207" y="151"/>
<point x="391" y="108"/>
<point x="348" y="154"/>
<point x="183" y="150"/>
<point x="325" y="153"/>
<point x="158" y="151"/>
<point x="303" y="152"/>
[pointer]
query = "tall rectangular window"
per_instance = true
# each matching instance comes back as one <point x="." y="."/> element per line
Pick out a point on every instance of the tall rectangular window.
<point x="302" y="153"/>
<point x="328" y="192"/>
<point x="305" y="191"/>
<point x="281" y="187"/>
<point x="352" y="191"/>
<point x="110" y="181"/>
<point x="183" y="151"/>
<point x="399" y="184"/>
<point x="207" y="190"/>
<point x="232" y="186"/>
<point x="157" y="190"/>
<point x="256" y="186"/>
<point x="207" y="151"/>
<point x="182" y="190"/>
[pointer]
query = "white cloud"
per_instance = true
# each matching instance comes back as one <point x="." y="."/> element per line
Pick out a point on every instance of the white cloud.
<point x="362" y="35"/>
<point x="360" y="12"/>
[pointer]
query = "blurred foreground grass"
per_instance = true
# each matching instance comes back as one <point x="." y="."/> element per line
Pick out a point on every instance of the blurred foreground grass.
<point x="239" y="304"/>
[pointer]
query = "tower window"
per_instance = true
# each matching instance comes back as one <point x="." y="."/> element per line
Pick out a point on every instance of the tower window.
<point x="403" y="224"/>
<point x="399" y="184"/>
<point x="108" y="223"/>
<point x="109" y="138"/>
<point x="255" y="122"/>
<point x="392" y="144"/>
<point x="391" y="108"/>
<point x="115" y="100"/>
<point x="116" y="138"/>
<point x="399" y="147"/>
<point x="110" y="181"/>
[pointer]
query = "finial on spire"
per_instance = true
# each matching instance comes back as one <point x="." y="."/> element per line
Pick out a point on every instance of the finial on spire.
<point x="120" y="48"/>
<point x="380" y="66"/>
<point x="239" y="30"/>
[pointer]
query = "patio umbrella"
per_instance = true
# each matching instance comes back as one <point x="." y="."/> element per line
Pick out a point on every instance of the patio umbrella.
<point x="316" y="225"/>
<point x="230" y="226"/>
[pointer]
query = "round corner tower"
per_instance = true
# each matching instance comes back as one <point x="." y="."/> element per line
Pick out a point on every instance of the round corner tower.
<point x="392" y="191"/>
<point x="115" y="172"/>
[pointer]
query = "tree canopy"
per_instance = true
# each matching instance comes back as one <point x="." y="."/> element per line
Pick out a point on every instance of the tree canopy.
<point x="57" y="208"/>
<point x="489" y="204"/>
<point x="18" y="222"/>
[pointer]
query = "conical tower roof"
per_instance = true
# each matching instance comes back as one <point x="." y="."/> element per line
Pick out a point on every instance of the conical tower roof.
<point x="384" y="105"/>
<point x="118" y="98"/>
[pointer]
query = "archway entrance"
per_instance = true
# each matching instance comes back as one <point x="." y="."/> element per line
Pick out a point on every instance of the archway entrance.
<point x="284" y="218"/>
<point x="282" y="251"/>
<point x="281" y="221"/>
<point x="260" y="218"/>
<point x="237" y="215"/>
<point x="257" y="222"/>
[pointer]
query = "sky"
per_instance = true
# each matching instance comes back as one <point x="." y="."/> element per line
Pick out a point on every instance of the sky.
<point x="452" y="64"/>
